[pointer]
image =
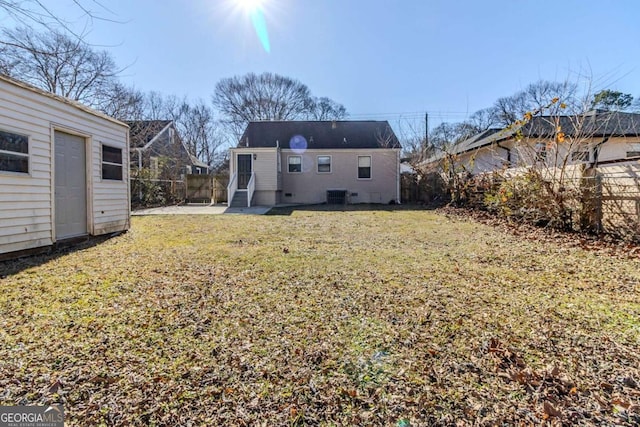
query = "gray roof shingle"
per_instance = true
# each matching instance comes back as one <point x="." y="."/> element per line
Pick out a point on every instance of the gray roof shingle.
<point x="320" y="134"/>
<point x="592" y="124"/>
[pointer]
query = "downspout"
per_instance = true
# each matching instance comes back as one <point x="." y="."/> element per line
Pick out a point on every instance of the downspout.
<point x="398" y="201"/>
<point x="596" y="152"/>
<point x="139" y="150"/>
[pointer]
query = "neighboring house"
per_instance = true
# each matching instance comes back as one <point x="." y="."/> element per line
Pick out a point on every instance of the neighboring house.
<point x="309" y="162"/>
<point x="63" y="170"/>
<point x="594" y="138"/>
<point x="157" y="146"/>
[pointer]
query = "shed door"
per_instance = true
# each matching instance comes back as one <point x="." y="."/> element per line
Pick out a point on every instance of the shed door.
<point x="71" y="186"/>
<point x="244" y="170"/>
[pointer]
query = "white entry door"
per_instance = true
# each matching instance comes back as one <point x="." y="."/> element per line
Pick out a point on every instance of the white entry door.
<point x="71" y="186"/>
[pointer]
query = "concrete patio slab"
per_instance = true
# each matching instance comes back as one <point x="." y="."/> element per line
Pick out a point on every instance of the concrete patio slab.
<point x="201" y="210"/>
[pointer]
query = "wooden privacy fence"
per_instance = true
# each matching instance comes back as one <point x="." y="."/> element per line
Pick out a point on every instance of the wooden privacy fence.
<point x="428" y="188"/>
<point x="206" y="188"/>
<point x="617" y="198"/>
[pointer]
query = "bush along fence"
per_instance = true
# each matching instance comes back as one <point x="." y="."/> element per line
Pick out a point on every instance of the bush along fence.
<point x="603" y="199"/>
<point x="147" y="191"/>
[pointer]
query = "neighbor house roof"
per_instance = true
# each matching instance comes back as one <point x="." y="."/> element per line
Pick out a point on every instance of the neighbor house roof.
<point x="141" y="132"/>
<point x="320" y="134"/>
<point x="196" y="162"/>
<point x="595" y="123"/>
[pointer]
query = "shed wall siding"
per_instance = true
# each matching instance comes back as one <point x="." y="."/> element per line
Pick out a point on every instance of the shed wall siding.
<point x="26" y="201"/>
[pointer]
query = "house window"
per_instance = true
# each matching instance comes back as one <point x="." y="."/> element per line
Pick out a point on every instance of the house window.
<point x="364" y="167"/>
<point x="14" y="152"/>
<point x="541" y="151"/>
<point x="324" y="164"/>
<point x="111" y="163"/>
<point x="295" y="164"/>
<point x="580" y="156"/>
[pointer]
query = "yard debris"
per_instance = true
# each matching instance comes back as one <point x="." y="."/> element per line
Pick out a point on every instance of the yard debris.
<point x="418" y="318"/>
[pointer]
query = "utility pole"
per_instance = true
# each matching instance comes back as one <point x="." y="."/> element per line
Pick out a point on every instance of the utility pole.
<point x="426" y="134"/>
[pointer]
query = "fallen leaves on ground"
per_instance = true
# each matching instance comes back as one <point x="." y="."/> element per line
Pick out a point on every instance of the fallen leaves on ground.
<point x="360" y="317"/>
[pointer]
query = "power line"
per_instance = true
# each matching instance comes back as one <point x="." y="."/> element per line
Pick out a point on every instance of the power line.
<point x="413" y="115"/>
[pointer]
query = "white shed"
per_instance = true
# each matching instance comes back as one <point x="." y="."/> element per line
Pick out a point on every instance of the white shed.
<point x="64" y="169"/>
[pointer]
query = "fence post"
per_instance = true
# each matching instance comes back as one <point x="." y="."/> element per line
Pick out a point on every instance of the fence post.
<point x="591" y="189"/>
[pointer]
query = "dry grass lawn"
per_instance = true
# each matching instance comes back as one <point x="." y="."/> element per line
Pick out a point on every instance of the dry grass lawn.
<point x="384" y="317"/>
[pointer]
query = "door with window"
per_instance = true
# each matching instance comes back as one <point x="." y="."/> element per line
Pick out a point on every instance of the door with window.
<point x="244" y="170"/>
<point x="71" y="185"/>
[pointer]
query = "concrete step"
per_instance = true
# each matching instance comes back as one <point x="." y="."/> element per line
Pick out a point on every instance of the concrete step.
<point x="239" y="200"/>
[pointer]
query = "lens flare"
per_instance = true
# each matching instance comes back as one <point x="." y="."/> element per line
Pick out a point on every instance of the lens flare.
<point x="245" y="16"/>
<point x="260" y="25"/>
<point x="298" y="144"/>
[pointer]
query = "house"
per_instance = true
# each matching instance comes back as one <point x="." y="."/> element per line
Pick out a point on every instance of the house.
<point x="594" y="138"/>
<point x="157" y="146"/>
<point x="63" y="170"/>
<point x="309" y="162"/>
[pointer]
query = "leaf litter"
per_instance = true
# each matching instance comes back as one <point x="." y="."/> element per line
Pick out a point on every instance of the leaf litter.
<point x="390" y="317"/>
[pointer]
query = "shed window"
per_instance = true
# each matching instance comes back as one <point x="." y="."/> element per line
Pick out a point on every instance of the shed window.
<point x="111" y="163"/>
<point x="324" y="164"/>
<point x="295" y="164"/>
<point x="364" y="167"/>
<point x="14" y="152"/>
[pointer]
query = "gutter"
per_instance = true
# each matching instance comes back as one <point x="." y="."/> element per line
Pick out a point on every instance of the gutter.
<point x="596" y="152"/>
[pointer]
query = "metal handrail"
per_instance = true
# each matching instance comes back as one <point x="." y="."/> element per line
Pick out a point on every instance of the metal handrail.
<point x="251" y="188"/>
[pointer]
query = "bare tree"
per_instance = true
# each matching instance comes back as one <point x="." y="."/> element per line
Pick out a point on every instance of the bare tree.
<point x="200" y="131"/>
<point x="327" y="109"/>
<point x="483" y="119"/>
<point x="413" y="136"/>
<point x="446" y="135"/>
<point x="59" y="64"/>
<point x="265" y="96"/>
<point x="268" y="96"/>
<point x="537" y="95"/>
<point x="194" y="121"/>
<point x="37" y="13"/>
<point x="121" y="102"/>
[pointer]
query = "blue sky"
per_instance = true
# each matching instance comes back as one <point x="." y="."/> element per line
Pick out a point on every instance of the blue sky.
<point x="379" y="58"/>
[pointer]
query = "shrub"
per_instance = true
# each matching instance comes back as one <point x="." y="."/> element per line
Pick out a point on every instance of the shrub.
<point x="530" y="198"/>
